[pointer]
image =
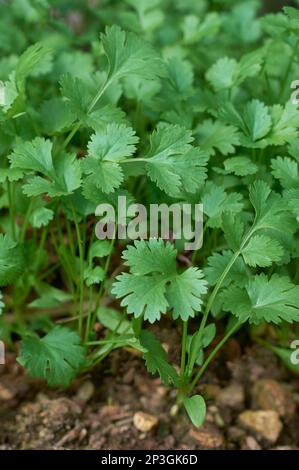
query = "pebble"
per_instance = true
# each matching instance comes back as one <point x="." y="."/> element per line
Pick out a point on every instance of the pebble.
<point x="232" y="397"/>
<point x="250" y="443"/>
<point x="86" y="391"/>
<point x="207" y="437"/>
<point x="210" y="391"/>
<point x="264" y="423"/>
<point x="268" y="394"/>
<point x="5" y="393"/>
<point x="144" y="422"/>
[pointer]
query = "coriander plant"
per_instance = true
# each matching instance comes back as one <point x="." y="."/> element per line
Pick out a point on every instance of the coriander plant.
<point x="162" y="102"/>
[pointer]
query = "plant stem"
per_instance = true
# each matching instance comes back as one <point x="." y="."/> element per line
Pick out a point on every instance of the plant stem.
<point x="11" y="209"/>
<point x="213" y="354"/>
<point x="287" y="72"/>
<point x="106" y="269"/>
<point x="90" y="108"/>
<point x="184" y="350"/>
<point x="26" y="220"/>
<point x="215" y="292"/>
<point x="81" y="285"/>
<point x="210" y="303"/>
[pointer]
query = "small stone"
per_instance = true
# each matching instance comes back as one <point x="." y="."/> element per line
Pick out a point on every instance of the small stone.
<point x="128" y="377"/>
<point x="264" y="423"/>
<point x="5" y="393"/>
<point x="86" y="391"/>
<point x="232" y="397"/>
<point x="207" y="437"/>
<point x="268" y="394"/>
<point x="174" y="410"/>
<point x="235" y="434"/>
<point x="251" y="443"/>
<point x="144" y="422"/>
<point x="210" y="391"/>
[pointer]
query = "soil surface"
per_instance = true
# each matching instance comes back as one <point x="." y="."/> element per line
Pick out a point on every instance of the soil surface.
<point x="252" y="403"/>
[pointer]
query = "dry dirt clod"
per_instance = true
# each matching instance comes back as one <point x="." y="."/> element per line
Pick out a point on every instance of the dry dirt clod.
<point x="250" y="443"/>
<point x="232" y="397"/>
<point x="265" y="424"/>
<point x="268" y="394"/>
<point x="5" y="393"/>
<point x="86" y="391"/>
<point x="210" y="391"/>
<point x="144" y="422"/>
<point x="207" y="437"/>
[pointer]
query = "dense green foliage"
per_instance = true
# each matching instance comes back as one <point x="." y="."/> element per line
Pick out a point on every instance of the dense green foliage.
<point x="162" y="102"/>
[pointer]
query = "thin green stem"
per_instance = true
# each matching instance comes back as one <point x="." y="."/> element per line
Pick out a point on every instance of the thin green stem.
<point x="102" y="288"/>
<point x="195" y="252"/>
<point x="11" y="208"/>
<point x="89" y="314"/>
<point x="81" y="285"/>
<point x="287" y="72"/>
<point x="213" y="354"/>
<point x="214" y="294"/>
<point x="26" y="220"/>
<point x="184" y="350"/>
<point x="90" y="108"/>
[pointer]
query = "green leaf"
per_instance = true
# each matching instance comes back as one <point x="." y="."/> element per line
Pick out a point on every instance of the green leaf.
<point x="94" y="275"/>
<point x="12" y="261"/>
<point x="216" y="202"/>
<point x="270" y="208"/>
<point x="56" y="358"/>
<point x="185" y="293"/>
<point x="213" y="135"/>
<point x="143" y="295"/>
<point x="100" y="248"/>
<point x="227" y="72"/>
<point x="60" y="176"/>
<point x="233" y="229"/>
<point x="156" y="359"/>
<point x="128" y="54"/>
<point x="172" y="163"/>
<point x="286" y="171"/>
<point x="153" y="256"/>
<point x="41" y="217"/>
<point x="196" y="409"/>
<point x="2" y="305"/>
<point x="154" y="285"/>
<point x="264" y="300"/>
<point x="113" y="320"/>
<point x="262" y="251"/>
<point x="257" y="120"/>
<point x="285" y="124"/>
<point x="240" y="166"/>
<point x="222" y="74"/>
<point x="55" y="116"/>
<point x="30" y="62"/>
<point x="285" y="355"/>
<point x="217" y="263"/>
<point x="106" y="150"/>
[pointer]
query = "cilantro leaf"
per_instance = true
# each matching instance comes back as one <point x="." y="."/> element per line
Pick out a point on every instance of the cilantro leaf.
<point x="128" y="54"/>
<point x="172" y="163"/>
<point x="286" y="171"/>
<point x="60" y="176"/>
<point x="154" y="286"/>
<point x="262" y="250"/>
<point x="12" y="260"/>
<point x="55" y="358"/>
<point x="264" y="300"/>
<point x="106" y="149"/>
<point x="156" y="359"/>
<point x="213" y="135"/>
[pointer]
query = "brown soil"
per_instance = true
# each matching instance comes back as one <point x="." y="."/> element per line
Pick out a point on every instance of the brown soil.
<point x="97" y="411"/>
